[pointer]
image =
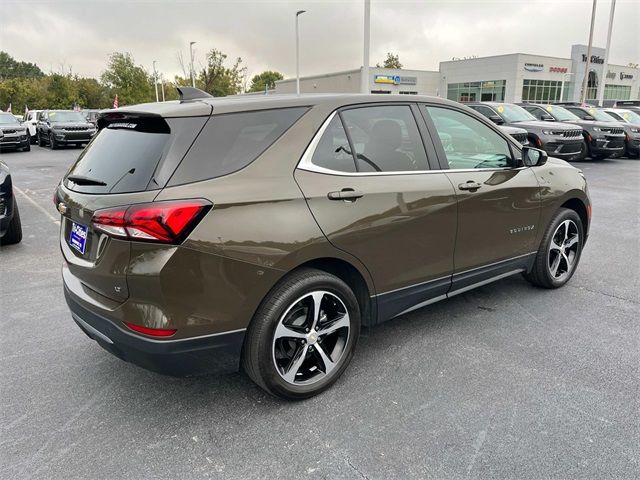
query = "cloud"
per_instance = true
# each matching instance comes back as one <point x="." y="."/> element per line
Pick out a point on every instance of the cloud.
<point x="81" y="34"/>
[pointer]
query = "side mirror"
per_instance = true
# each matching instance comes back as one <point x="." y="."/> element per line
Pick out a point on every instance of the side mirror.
<point x="547" y="118"/>
<point x="533" y="157"/>
<point x="496" y="119"/>
<point x="588" y="117"/>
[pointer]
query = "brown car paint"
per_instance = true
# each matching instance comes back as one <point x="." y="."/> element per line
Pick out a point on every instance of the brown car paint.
<point x="270" y="218"/>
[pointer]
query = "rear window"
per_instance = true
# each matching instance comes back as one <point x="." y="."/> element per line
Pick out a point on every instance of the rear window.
<point x="125" y="154"/>
<point x="230" y="142"/>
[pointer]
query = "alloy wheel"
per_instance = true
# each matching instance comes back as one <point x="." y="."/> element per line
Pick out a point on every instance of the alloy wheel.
<point x="563" y="250"/>
<point x="311" y="337"/>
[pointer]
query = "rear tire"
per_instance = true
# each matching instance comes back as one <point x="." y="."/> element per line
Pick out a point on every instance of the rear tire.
<point x="13" y="234"/>
<point x="559" y="252"/>
<point x="285" y="350"/>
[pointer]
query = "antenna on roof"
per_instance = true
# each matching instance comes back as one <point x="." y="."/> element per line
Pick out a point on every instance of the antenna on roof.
<point x="191" y="93"/>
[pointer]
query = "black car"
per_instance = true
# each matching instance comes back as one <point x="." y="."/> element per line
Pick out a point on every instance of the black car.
<point x="10" y="226"/>
<point x="12" y="134"/>
<point x="558" y="140"/>
<point x="601" y="141"/>
<point x="63" y="127"/>
<point x="626" y="137"/>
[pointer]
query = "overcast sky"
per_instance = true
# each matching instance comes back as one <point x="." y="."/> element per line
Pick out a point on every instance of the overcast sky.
<point x="80" y="34"/>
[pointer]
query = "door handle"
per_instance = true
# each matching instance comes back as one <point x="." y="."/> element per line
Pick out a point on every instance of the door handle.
<point x="345" y="194"/>
<point x="470" y="185"/>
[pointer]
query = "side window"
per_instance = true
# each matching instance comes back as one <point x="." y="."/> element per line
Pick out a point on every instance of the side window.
<point x="486" y="111"/>
<point x="333" y="151"/>
<point x="230" y="142"/>
<point x="577" y="112"/>
<point x="385" y="139"/>
<point x="469" y="143"/>
<point x="535" y="111"/>
<point x="616" y="116"/>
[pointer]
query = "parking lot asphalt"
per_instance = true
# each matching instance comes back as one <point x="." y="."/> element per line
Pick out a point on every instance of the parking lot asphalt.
<point x="506" y="381"/>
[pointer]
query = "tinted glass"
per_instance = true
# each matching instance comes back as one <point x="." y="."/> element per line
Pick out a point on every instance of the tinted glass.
<point x="333" y="151"/>
<point x="535" y="111"/>
<point x="467" y="142"/>
<point x="385" y="139"/>
<point x="486" y="111"/>
<point x="232" y="141"/>
<point x="124" y="159"/>
<point x="578" y="112"/>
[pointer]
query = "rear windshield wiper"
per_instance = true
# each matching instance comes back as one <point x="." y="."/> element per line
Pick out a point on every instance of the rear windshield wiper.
<point x="81" y="180"/>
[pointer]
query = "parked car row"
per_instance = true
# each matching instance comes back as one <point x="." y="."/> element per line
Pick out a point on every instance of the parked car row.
<point x="571" y="131"/>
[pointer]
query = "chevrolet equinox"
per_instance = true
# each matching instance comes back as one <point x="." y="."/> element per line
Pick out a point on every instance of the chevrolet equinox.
<point x="263" y="232"/>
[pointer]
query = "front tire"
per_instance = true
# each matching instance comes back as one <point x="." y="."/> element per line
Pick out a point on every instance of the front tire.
<point x="13" y="234"/>
<point x="303" y="336"/>
<point x="52" y="142"/>
<point x="559" y="252"/>
<point x="39" y="140"/>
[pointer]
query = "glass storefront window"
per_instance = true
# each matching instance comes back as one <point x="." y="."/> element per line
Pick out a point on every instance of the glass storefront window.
<point x="541" y="91"/>
<point x="617" y="92"/>
<point x="486" y="91"/>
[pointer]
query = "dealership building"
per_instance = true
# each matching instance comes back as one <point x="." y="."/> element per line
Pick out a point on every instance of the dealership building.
<point x="515" y="77"/>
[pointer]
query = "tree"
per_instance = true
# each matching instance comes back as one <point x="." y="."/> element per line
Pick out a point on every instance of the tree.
<point x="217" y="79"/>
<point x="392" y="61"/>
<point x="11" y="68"/>
<point x="265" y="80"/>
<point x="129" y="81"/>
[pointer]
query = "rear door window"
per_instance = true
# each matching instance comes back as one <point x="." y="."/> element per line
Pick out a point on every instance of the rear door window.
<point x="230" y="142"/>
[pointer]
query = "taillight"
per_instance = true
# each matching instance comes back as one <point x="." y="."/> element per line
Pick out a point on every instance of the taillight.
<point x="164" y="222"/>
<point x="154" y="332"/>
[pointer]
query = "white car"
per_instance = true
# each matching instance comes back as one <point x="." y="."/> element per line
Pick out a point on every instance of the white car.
<point x="30" y="120"/>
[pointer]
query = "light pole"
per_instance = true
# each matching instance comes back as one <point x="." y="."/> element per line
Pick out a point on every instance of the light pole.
<point x="298" y="13"/>
<point x="364" y="81"/>
<point x="606" y="56"/>
<point x="562" y="85"/>
<point x="155" y="79"/>
<point x="583" y="95"/>
<point x="162" y="84"/>
<point x="193" y="80"/>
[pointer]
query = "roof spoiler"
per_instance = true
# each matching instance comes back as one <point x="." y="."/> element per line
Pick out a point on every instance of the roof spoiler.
<point x="191" y="93"/>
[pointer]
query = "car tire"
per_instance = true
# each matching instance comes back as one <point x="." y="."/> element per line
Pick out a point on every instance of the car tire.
<point x="39" y="139"/>
<point x="279" y="353"/>
<point x="52" y="142"/>
<point x="13" y="234"/>
<point x="27" y="148"/>
<point x="584" y="150"/>
<point x="560" y="250"/>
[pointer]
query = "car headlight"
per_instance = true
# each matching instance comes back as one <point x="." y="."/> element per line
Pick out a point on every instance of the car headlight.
<point x="635" y="130"/>
<point x="547" y="132"/>
<point x="597" y="129"/>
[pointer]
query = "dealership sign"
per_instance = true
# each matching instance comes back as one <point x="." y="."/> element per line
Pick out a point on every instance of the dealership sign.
<point x="558" y="69"/>
<point x="594" y="59"/>
<point x="534" y="67"/>
<point x="622" y="75"/>
<point x="387" y="79"/>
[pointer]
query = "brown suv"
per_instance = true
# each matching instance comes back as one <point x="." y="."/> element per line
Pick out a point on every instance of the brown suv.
<point x="264" y="231"/>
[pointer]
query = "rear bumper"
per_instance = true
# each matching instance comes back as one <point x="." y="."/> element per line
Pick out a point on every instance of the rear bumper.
<point x="191" y="356"/>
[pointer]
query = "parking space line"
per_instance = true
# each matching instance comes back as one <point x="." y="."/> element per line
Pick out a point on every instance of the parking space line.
<point x="37" y="205"/>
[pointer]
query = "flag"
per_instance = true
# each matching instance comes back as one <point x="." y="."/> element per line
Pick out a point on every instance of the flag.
<point x="115" y="102"/>
<point x="9" y="109"/>
<point x="26" y="109"/>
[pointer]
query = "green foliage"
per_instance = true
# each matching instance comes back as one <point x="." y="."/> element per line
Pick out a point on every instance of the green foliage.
<point x="129" y="81"/>
<point x="392" y="61"/>
<point x="11" y="68"/>
<point x="265" y="80"/>
<point x="219" y="80"/>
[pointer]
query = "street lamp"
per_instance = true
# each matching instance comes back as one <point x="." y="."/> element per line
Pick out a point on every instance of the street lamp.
<point x="193" y="80"/>
<point x="155" y="79"/>
<point x="298" y="13"/>
<point x="562" y="85"/>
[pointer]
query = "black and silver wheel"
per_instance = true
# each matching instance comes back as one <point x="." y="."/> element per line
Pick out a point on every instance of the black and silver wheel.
<point x="52" y="141"/>
<point x="559" y="252"/>
<point x="303" y="336"/>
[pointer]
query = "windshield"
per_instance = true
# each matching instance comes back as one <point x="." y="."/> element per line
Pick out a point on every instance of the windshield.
<point x="66" y="117"/>
<point x="561" y="114"/>
<point x="601" y="116"/>
<point x="8" y="119"/>
<point x="629" y="116"/>
<point x="513" y="113"/>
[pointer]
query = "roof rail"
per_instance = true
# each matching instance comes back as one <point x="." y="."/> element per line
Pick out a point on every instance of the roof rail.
<point x="191" y="93"/>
